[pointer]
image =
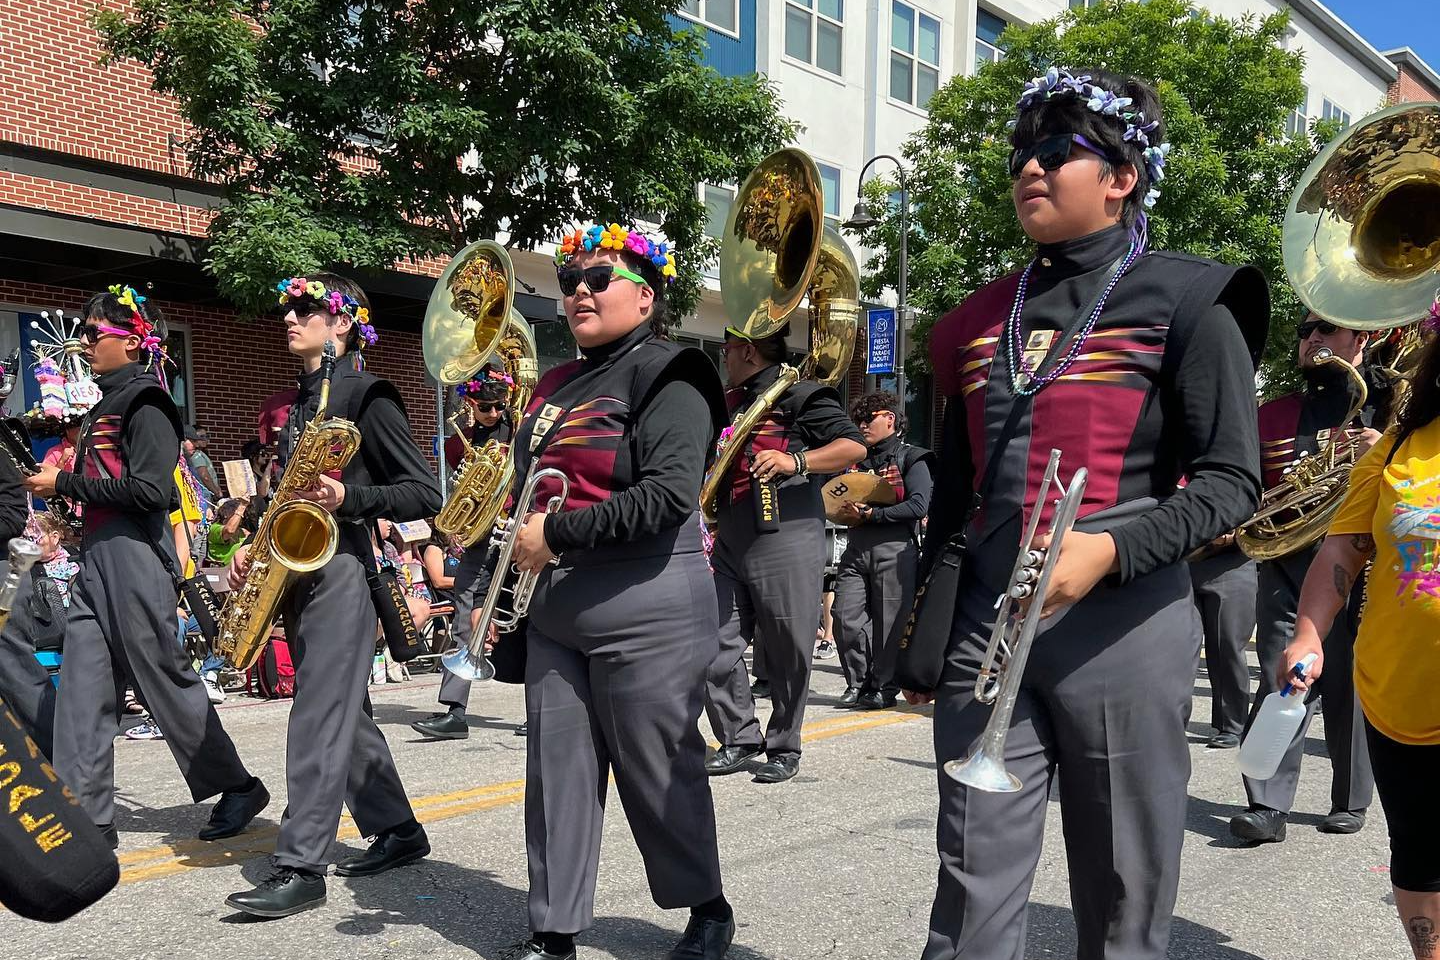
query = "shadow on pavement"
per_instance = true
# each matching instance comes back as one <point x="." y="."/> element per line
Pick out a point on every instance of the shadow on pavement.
<point x="472" y="909"/>
<point x="399" y="714"/>
<point x="1054" y="928"/>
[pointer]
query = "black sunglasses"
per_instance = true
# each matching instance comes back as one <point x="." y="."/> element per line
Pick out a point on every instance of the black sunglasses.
<point x="596" y="278"/>
<point x="1306" y="329"/>
<point x="1052" y="153"/>
<point x="865" y="418"/>
<point x="489" y="407"/>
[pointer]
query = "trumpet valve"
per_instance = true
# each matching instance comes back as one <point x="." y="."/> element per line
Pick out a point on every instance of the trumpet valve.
<point x="1034" y="558"/>
<point x="1021" y="590"/>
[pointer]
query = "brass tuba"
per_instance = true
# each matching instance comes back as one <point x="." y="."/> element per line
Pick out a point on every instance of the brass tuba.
<point x="1362" y="250"/>
<point x="470" y="316"/>
<point x="295" y="535"/>
<point x="777" y="250"/>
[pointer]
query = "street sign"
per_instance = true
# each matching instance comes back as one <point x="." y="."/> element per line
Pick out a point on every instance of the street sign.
<point x="881" y="339"/>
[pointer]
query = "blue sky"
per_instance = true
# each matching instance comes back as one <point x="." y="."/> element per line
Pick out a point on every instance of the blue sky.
<point x="1395" y="23"/>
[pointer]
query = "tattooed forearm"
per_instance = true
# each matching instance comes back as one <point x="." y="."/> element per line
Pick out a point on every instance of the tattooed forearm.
<point x="1362" y="543"/>
<point x="1342" y="579"/>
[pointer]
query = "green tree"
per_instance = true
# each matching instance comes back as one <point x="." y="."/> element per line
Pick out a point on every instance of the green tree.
<point x="1227" y="87"/>
<point x="363" y="132"/>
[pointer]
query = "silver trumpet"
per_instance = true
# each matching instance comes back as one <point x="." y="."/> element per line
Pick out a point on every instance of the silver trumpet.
<point x="23" y="556"/>
<point x="998" y="681"/>
<point x="469" y="662"/>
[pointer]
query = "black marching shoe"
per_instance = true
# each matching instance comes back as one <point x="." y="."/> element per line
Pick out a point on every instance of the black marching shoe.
<point x="442" y="726"/>
<point x="875" y="700"/>
<point x="111" y="835"/>
<point x="1223" y="741"/>
<point x="533" y="950"/>
<point x="1261" y="825"/>
<point x="390" y="849"/>
<point x="523" y="730"/>
<point x="849" y="698"/>
<point x="286" y="891"/>
<point x="760" y="690"/>
<point x="235" y="810"/>
<point x="1343" y="821"/>
<point x="731" y="759"/>
<point x="706" y="938"/>
<point x="778" y="768"/>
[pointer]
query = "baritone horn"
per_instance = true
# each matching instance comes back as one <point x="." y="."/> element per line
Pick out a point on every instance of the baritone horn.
<point x="469" y="662"/>
<point x="1013" y="636"/>
<point x="470" y="317"/>
<point x="1362" y="250"/>
<point x="776" y="251"/>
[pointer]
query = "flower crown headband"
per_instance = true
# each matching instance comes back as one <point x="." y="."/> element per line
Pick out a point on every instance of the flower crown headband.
<point x="150" y="344"/>
<point x="617" y="238"/>
<point x="335" y="302"/>
<point x="480" y="385"/>
<point x="1059" y="83"/>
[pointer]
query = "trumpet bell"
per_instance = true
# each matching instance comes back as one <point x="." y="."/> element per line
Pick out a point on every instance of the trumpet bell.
<point x="469" y="312"/>
<point x="771" y="243"/>
<point x="467" y="665"/>
<point x="1362" y="231"/>
<point x="983" y="772"/>
<point x="303" y="536"/>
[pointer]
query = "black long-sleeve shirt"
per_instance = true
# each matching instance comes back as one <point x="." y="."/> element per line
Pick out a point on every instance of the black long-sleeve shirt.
<point x="151" y="451"/>
<point x="1204" y="418"/>
<point x="918" y="487"/>
<point x="13" y="512"/>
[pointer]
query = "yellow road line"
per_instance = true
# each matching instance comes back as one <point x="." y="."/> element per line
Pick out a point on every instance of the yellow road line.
<point x="182" y="856"/>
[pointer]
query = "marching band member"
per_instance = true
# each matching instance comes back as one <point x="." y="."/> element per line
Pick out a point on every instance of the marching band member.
<point x="1224" y="582"/>
<point x="876" y="581"/>
<point x="770" y="581"/>
<point x="620" y="634"/>
<point x="335" y="754"/>
<point x="485" y="397"/>
<point x="122" y="612"/>
<point x="1389" y="515"/>
<point x="1290" y="427"/>
<point x="1134" y="365"/>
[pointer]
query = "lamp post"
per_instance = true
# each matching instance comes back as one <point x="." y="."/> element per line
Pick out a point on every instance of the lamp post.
<point x="864" y="219"/>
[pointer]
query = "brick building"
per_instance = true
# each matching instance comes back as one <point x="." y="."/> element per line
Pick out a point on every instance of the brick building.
<point x="1416" y="79"/>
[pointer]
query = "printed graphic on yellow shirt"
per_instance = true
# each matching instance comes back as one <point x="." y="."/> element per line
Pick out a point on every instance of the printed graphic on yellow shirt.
<point x="1415" y="528"/>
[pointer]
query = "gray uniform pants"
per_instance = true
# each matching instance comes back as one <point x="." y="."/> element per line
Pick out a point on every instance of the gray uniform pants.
<point x="1352" y="786"/>
<point x="769" y="590"/>
<point x="334" y="752"/>
<point x="614" y="682"/>
<point x="472" y="580"/>
<point x="122" y="624"/>
<point x="1225" y="587"/>
<point x="25" y="684"/>
<point x="1104" y="703"/>
<point x="874" y="590"/>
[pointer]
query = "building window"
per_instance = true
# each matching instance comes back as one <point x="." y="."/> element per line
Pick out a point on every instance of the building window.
<point x="914" y="55"/>
<point x="830" y="180"/>
<point x="1079" y="4"/>
<point x="720" y="14"/>
<point x="813" y="30"/>
<point x="988" y="28"/>
<point x="1329" y="111"/>
<point x="1299" y="121"/>
<point x="180" y="373"/>
<point x="717" y="208"/>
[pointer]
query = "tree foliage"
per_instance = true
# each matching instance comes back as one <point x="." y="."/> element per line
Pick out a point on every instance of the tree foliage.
<point x="362" y="132"/>
<point x="1227" y="87"/>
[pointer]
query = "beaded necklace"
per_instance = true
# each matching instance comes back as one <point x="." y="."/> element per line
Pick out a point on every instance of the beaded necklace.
<point x="1024" y="380"/>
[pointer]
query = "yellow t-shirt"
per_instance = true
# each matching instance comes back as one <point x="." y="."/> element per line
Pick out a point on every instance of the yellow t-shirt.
<point x="1397" y="652"/>
<point x="189" y="508"/>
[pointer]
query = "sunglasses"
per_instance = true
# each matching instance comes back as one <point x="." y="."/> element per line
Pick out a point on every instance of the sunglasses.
<point x="863" y="419"/>
<point x="1306" y="329"/>
<point x="94" y="333"/>
<point x="489" y="407"/>
<point x="597" y="279"/>
<point x="1052" y="153"/>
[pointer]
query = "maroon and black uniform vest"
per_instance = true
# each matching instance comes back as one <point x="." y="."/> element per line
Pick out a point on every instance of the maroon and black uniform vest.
<point x="775" y="431"/>
<point x="350" y="391"/>
<point x="1108" y="411"/>
<point x="1300" y="423"/>
<point x="587" y="409"/>
<point x="101" y="452"/>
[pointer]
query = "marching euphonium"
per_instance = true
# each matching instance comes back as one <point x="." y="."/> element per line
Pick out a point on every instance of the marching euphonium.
<point x="1013" y="635"/>
<point x="776" y="251"/>
<point x="1362" y="250"/>
<point x="295" y="535"/>
<point x="470" y="316"/>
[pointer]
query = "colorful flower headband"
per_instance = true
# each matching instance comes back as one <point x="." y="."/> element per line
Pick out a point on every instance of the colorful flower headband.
<point x="1431" y="324"/>
<point x="1058" y="83"/>
<point x="335" y="302"/>
<point x="478" y="385"/>
<point x="616" y="237"/>
<point x="143" y="328"/>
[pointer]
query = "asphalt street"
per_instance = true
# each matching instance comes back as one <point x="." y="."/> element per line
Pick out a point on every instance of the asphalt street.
<point x="839" y="862"/>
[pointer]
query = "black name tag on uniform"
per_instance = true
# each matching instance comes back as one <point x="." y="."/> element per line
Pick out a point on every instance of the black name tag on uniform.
<point x="766" y="496"/>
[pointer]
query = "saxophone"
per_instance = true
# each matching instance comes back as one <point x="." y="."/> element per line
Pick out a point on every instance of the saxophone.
<point x="295" y="536"/>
